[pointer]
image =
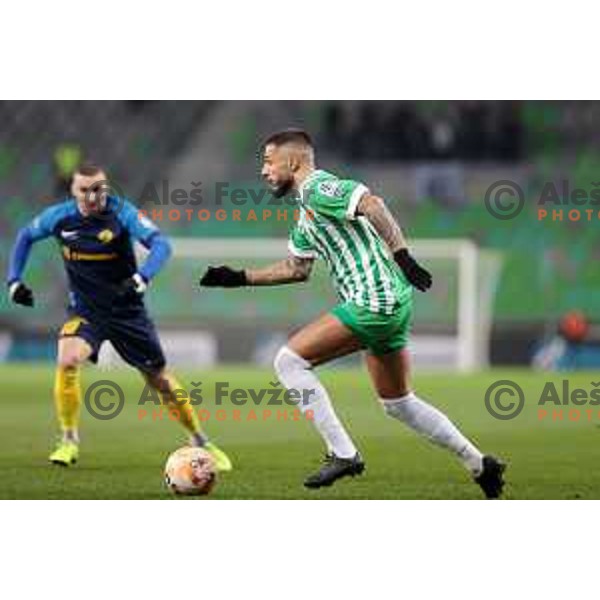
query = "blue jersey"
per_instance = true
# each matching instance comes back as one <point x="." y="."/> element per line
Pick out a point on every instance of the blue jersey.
<point x="97" y="251"/>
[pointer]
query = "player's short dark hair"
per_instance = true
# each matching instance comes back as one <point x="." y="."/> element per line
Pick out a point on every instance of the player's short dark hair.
<point x="289" y="136"/>
<point x="90" y="169"/>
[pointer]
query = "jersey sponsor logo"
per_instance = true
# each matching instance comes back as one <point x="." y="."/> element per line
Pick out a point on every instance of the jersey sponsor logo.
<point x="330" y="188"/>
<point x="69" y="235"/>
<point x="70" y="254"/>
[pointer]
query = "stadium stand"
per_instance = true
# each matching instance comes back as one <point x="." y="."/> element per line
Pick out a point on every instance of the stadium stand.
<point x="455" y="150"/>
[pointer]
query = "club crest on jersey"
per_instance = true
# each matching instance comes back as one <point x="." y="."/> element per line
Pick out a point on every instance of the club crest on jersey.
<point x="106" y="236"/>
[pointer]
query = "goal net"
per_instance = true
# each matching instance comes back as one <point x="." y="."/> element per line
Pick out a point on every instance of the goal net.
<point x="452" y="322"/>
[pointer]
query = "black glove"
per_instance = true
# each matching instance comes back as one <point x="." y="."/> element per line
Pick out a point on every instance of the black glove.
<point x="416" y="275"/>
<point x="134" y="284"/>
<point x="20" y="294"/>
<point x="223" y="277"/>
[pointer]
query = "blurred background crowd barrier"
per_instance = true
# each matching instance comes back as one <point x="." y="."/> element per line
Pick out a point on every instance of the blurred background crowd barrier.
<point x="432" y="161"/>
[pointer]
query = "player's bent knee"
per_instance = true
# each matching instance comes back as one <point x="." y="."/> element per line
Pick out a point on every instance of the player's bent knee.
<point x="69" y="361"/>
<point x="72" y="352"/>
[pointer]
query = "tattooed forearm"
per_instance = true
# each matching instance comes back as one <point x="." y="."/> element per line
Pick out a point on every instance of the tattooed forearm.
<point x="290" y="270"/>
<point x="383" y="221"/>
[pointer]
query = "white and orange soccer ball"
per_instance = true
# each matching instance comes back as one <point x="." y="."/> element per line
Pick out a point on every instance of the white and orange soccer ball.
<point x="190" y="472"/>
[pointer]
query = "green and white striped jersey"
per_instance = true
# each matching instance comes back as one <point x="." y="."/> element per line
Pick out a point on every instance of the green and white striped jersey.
<point x="360" y="264"/>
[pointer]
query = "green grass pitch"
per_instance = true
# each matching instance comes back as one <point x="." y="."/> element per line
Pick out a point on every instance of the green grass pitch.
<point x="124" y="457"/>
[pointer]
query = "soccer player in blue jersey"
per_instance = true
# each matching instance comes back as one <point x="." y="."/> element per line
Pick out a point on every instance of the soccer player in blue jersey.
<point x="95" y="232"/>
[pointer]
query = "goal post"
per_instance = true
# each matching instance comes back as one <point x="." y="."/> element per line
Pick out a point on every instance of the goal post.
<point x="452" y="323"/>
<point x="477" y="273"/>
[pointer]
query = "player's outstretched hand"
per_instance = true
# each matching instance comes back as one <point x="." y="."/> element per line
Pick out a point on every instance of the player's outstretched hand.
<point x="21" y="294"/>
<point x="414" y="272"/>
<point x="223" y="276"/>
<point x="136" y="284"/>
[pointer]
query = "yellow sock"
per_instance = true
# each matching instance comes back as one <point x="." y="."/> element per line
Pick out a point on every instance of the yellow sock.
<point x="67" y="399"/>
<point x="187" y="416"/>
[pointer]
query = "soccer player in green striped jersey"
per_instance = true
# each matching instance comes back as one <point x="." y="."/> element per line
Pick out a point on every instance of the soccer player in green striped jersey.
<point x="374" y="275"/>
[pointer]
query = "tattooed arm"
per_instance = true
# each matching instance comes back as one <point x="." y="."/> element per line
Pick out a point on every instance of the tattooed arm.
<point x="383" y="221"/>
<point x="291" y="270"/>
<point x="385" y="225"/>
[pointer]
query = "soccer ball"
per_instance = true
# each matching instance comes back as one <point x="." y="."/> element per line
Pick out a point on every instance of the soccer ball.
<point x="190" y="472"/>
